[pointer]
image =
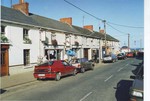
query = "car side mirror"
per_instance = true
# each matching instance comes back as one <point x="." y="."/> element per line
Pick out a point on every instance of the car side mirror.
<point x="132" y="77"/>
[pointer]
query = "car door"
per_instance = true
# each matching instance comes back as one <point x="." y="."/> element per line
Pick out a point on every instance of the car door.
<point x="67" y="67"/>
<point x="61" y="68"/>
<point x="86" y="63"/>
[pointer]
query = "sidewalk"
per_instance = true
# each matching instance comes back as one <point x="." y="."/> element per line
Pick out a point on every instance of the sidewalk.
<point x="17" y="79"/>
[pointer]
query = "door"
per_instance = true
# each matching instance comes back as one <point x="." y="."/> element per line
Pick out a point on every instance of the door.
<point x="26" y="56"/>
<point x="4" y="68"/>
<point x="68" y="69"/>
<point x="86" y="53"/>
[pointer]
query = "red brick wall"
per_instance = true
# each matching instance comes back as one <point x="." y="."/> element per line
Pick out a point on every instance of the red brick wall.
<point x="23" y="7"/>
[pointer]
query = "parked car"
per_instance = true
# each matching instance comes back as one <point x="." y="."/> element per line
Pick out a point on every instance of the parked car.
<point x="110" y="58"/>
<point x="130" y="54"/>
<point x="136" y="90"/>
<point x="82" y="64"/>
<point x="54" y="69"/>
<point x="121" y="56"/>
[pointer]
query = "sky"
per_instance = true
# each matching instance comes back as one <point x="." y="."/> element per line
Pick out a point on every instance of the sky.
<point x="121" y="12"/>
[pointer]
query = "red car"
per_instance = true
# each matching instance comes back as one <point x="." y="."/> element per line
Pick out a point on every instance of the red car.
<point x="54" y="69"/>
<point x="130" y="54"/>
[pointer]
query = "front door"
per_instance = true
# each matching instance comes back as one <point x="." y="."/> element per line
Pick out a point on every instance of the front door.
<point x="4" y="69"/>
<point x="26" y="55"/>
<point x="86" y="53"/>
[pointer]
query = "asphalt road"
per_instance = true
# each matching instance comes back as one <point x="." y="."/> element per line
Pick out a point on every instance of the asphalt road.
<point x="108" y="82"/>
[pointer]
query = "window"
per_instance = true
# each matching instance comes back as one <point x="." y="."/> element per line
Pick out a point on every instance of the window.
<point x="2" y="30"/>
<point x="26" y="36"/>
<point x="50" y="63"/>
<point x="65" y="63"/>
<point x="25" y="33"/>
<point x="3" y="37"/>
<point x="26" y="55"/>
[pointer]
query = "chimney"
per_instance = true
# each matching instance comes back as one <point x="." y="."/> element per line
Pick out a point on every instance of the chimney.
<point x="66" y="20"/>
<point x="101" y="31"/>
<point x="22" y="6"/>
<point x="89" y="27"/>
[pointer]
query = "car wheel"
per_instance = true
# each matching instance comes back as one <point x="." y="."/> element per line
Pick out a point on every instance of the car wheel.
<point x="82" y="70"/>
<point x="38" y="79"/>
<point x="58" y="76"/>
<point x="92" y="66"/>
<point x="74" y="72"/>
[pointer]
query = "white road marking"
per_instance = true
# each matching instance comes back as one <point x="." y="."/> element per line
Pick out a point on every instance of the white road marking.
<point x="119" y="69"/>
<point x="85" y="96"/>
<point x="126" y="64"/>
<point x="109" y="78"/>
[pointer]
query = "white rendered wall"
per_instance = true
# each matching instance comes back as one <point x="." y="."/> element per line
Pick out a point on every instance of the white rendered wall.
<point x="15" y="35"/>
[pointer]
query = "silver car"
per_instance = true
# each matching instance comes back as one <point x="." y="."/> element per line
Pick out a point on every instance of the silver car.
<point x="110" y="58"/>
<point x="82" y="64"/>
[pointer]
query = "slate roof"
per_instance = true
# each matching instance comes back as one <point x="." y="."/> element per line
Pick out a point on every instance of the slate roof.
<point x="10" y="14"/>
<point x="86" y="32"/>
<point x="16" y="16"/>
<point x="33" y="19"/>
<point x="54" y="24"/>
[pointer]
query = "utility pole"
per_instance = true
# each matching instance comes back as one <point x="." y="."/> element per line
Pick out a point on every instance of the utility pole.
<point x="11" y="3"/>
<point x="140" y="44"/>
<point x="83" y="21"/>
<point x="128" y="41"/>
<point x="104" y="21"/>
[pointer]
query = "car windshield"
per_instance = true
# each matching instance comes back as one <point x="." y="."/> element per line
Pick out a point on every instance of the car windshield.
<point x="46" y="63"/>
<point x="75" y="61"/>
<point x="83" y="59"/>
<point x="119" y="55"/>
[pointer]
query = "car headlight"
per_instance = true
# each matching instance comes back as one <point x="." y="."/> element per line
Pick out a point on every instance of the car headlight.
<point x="138" y="94"/>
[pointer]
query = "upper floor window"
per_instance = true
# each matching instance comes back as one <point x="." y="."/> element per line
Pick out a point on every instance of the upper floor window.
<point x="25" y="33"/>
<point x="26" y="36"/>
<point x="3" y="37"/>
<point x="2" y="29"/>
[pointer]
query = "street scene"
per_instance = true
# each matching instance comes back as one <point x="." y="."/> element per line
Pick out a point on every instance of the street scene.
<point x="69" y="50"/>
<point x="107" y="82"/>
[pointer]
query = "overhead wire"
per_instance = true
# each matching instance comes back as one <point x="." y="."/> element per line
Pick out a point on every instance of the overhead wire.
<point x="102" y="19"/>
<point x="116" y="29"/>
<point x="124" y="25"/>
<point x="83" y="10"/>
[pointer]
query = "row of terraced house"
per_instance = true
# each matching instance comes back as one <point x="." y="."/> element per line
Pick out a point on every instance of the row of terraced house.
<point x="26" y="37"/>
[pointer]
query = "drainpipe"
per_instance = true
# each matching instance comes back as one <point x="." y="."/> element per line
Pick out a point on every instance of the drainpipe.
<point x="99" y="51"/>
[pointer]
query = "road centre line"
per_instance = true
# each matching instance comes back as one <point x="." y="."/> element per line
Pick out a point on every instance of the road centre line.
<point x="86" y="96"/>
<point x="119" y="69"/>
<point x="108" y="78"/>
